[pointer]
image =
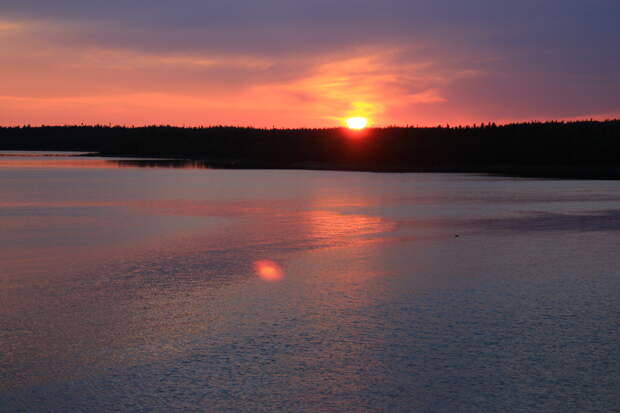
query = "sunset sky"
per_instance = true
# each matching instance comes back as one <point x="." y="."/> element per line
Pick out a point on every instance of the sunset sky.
<point x="293" y="63"/>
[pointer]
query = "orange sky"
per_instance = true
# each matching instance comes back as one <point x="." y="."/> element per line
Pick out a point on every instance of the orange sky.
<point x="72" y="66"/>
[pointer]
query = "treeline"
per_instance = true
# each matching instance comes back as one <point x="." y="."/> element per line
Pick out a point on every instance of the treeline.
<point x="539" y="149"/>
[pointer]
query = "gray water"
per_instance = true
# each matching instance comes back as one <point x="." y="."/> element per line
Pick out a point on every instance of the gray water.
<point x="136" y="289"/>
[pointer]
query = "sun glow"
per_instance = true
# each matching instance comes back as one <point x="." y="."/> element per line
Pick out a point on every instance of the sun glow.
<point x="357" y="123"/>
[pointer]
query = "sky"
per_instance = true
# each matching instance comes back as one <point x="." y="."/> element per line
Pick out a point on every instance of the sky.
<point x="295" y="63"/>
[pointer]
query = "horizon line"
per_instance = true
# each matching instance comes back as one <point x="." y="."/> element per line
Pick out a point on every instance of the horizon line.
<point x="223" y="126"/>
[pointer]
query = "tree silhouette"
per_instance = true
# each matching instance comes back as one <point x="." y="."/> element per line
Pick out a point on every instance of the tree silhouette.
<point x="563" y="149"/>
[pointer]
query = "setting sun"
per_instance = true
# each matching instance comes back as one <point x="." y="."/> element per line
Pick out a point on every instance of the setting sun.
<point x="357" y="123"/>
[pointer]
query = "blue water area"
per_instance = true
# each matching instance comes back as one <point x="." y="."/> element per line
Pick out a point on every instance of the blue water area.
<point x="137" y="289"/>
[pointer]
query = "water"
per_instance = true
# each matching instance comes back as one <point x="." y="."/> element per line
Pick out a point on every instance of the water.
<point x="134" y="289"/>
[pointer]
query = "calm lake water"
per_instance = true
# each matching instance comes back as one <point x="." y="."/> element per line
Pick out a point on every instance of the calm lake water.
<point x="137" y="289"/>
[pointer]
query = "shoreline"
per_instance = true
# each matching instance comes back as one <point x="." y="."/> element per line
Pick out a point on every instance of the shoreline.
<point x="586" y="172"/>
<point x="559" y="150"/>
<point x="577" y="172"/>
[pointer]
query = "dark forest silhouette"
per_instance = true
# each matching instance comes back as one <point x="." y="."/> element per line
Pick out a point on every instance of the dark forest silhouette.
<point x="585" y="149"/>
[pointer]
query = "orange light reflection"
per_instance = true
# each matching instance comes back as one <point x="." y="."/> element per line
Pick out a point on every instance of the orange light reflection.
<point x="268" y="270"/>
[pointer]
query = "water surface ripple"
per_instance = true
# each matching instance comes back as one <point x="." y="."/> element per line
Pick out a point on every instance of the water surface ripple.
<point x="135" y="289"/>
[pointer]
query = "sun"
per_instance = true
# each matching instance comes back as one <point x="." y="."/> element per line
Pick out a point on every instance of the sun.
<point x="357" y="123"/>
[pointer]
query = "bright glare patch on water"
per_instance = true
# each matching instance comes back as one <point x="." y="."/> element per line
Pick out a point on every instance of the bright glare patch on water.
<point x="268" y="270"/>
